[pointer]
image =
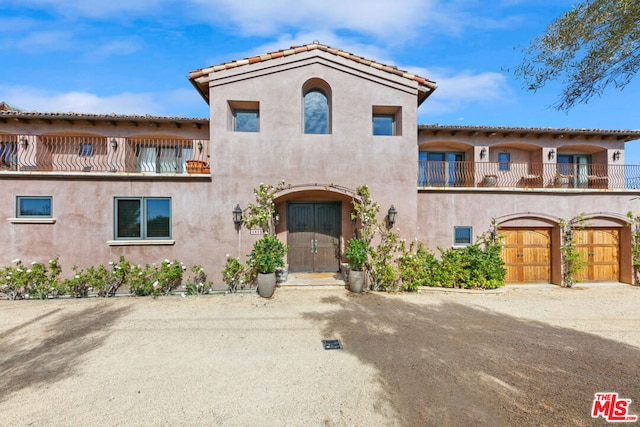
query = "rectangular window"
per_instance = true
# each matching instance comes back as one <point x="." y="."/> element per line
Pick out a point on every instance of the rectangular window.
<point x="384" y="124"/>
<point x="243" y="116"/>
<point x="8" y="156"/>
<point x="143" y="218"/>
<point x="387" y="120"/>
<point x="33" y="207"/>
<point x="86" y="149"/>
<point x="461" y="236"/>
<point x="246" y="120"/>
<point x="503" y="160"/>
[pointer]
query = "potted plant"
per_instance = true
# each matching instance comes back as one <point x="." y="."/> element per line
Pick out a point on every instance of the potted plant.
<point x="267" y="255"/>
<point x="356" y="254"/>
<point x="563" y="181"/>
<point x="490" y="180"/>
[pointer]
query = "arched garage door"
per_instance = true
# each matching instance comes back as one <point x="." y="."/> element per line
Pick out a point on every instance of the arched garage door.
<point x="600" y="247"/>
<point x="527" y="255"/>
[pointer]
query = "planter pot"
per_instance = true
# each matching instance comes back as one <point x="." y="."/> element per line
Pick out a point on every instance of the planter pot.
<point x="490" y="181"/>
<point x="195" y="166"/>
<point x="266" y="284"/>
<point x="356" y="281"/>
<point x="281" y="274"/>
<point x="562" y="182"/>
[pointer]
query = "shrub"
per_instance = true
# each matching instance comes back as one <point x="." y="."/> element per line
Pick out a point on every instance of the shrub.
<point x="198" y="284"/>
<point x="267" y="254"/>
<point x="356" y="253"/>
<point x="233" y="273"/>
<point x="417" y="266"/>
<point x="36" y="281"/>
<point x="156" y="280"/>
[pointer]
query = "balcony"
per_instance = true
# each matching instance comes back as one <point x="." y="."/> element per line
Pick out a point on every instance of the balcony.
<point x="73" y="154"/>
<point x="528" y="175"/>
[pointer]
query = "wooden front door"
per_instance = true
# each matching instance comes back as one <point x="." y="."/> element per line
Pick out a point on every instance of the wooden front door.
<point x="599" y="247"/>
<point x="526" y="254"/>
<point x="314" y="236"/>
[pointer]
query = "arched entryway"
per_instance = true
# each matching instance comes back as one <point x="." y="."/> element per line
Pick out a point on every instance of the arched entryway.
<point x="315" y="220"/>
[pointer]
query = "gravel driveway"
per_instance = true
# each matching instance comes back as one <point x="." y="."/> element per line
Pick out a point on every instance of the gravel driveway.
<point x="528" y="356"/>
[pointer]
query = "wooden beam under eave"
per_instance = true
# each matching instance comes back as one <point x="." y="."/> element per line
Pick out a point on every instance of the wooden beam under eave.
<point x="197" y="125"/>
<point x="68" y="121"/>
<point x="113" y="123"/>
<point x="91" y="122"/>
<point x="23" y="120"/>
<point x="178" y="125"/>
<point x="47" y="121"/>
<point x="133" y="123"/>
<point x="156" y="124"/>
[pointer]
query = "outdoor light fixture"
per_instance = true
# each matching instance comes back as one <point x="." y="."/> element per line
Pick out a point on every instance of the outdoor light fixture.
<point x="568" y="235"/>
<point x="483" y="153"/>
<point x="200" y="146"/>
<point x="616" y="155"/>
<point x="237" y="216"/>
<point x="494" y="235"/>
<point x="114" y="144"/>
<point x="276" y="217"/>
<point x="552" y="154"/>
<point x="24" y="142"/>
<point x="391" y="216"/>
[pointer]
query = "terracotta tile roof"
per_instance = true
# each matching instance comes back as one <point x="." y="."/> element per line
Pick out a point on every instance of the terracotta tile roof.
<point x="92" y="116"/>
<point x="307" y="48"/>
<point x="627" y="135"/>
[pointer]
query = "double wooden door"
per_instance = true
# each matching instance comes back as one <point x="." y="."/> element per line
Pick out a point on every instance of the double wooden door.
<point x="599" y="247"/>
<point x="527" y="255"/>
<point x="314" y="236"/>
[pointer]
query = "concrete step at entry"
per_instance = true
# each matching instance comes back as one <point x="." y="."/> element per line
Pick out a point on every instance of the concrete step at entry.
<point x="314" y="280"/>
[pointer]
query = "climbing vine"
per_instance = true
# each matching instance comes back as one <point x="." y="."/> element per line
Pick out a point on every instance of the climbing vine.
<point x="572" y="260"/>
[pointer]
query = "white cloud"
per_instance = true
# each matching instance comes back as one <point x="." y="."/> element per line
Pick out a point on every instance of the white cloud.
<point x="170" y="103"/>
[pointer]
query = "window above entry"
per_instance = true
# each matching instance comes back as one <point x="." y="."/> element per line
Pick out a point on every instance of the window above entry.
<point x="244" y="116"/>
<point x="387" y="120"/>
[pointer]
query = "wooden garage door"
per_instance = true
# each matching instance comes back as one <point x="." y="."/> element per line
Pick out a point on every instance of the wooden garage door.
<point x="600" y="247"/>
<point x="527" y="255"/>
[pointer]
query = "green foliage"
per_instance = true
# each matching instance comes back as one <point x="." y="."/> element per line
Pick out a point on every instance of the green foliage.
<point x="634" y="223"/>
<point x="356" y="253"/>
<point x="417" y="266"/>
<point x="233" y="273"/>
<point x="365" y="212"/>
<point x="37" y="281"/>
<point x="267" y="254"/>
<point x="471" y="267"/>
<point x="384" y="271"/>
<point x="591" y="47"/>
<point x="156" y="280"/>
<point x="197" y="283"/>
<point x="261" y="213"/>
<point x="572" y="260"/>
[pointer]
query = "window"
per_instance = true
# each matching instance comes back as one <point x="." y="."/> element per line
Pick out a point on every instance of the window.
<point x="503" y="161"/>
<point x="461" y="236"/>
<point x="246" y="120"/>
<point x="8" y="155"/>
<point x="86" y="149"/>
<point x="161" y="158"/>
<point x="142" y="218"/>
<point x="316" y="112"/>
<point x="386" y="120"/>
<point x="384" y="124"/>
<point x="244" y="116"/>
<point x="33" y="207"/>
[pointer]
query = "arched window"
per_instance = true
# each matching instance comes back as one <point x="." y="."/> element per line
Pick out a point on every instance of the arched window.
<point x="316" y="112"/>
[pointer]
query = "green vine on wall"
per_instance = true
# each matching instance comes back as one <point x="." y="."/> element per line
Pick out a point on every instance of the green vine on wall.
<point x="572" y="260"/>
<point x="634" y="223"/>
<point x="261" y="213"/>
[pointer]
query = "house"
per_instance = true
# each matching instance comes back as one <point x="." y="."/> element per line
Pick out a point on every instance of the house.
<point x="89" y="187"/>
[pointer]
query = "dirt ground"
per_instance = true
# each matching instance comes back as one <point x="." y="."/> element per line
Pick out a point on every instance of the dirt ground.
<point x="528" y="356"/>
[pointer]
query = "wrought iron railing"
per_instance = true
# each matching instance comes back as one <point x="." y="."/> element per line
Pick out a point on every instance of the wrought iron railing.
<point x="101" y="154"/>
<point x="527" y="175"/>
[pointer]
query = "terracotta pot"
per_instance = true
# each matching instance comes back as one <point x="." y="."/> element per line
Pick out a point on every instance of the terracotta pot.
<point x="266" y="284"/>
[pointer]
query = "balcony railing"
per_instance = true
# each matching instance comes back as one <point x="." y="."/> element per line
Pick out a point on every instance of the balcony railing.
<point x="101" y="154"/>
<point x="527" y="175"/>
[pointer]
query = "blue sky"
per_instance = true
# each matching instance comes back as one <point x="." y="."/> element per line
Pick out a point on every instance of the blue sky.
<point x="133" y="57"/>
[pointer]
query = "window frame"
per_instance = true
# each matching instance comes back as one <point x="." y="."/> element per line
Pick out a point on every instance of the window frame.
<point x="19" y="213"/>
<point x="384" y="111"/>
<point x="143" y="234"/>
<point x="456" y="241"/>
<point x="235" y="107"/>
<point x="504" y="165"/>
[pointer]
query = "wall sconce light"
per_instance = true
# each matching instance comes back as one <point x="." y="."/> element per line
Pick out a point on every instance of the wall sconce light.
<point x="616" y="155"/>
<point x="200" y="146"/>
<point x="568" y="235"/>
<point x="391" y="216"/>
<point x="483" y="153"/>
<point x="276" y="217"/>
<point x="237" y="216"/>
<point x="24" y="142"/>
<point x="114" y="144"/>
<point x="552" y="154"/>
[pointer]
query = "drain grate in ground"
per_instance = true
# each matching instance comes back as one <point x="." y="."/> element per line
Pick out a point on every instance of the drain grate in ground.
<point x="332" y="344"/>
